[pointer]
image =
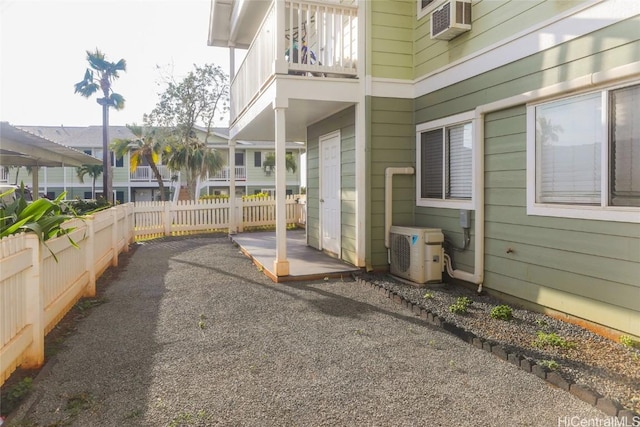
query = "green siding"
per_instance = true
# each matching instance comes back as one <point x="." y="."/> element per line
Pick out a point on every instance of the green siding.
<point x="390" y="38"/>
<point x="492" y="22"/>
<point x="391" y="140"/>
<point x="343" y="121"/>
<point x="585" y="268"/>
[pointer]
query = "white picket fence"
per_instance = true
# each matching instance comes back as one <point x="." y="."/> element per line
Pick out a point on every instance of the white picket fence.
<point x="37" y="288"/>
<point x="155" y="219"/>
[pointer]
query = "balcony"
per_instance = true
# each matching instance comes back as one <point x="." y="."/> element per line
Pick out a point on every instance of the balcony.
<point x="308" y="39"/>
<point x="145" y="174"/>
<point x="224" y="174"/>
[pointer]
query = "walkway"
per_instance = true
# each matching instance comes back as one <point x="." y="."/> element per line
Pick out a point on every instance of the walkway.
<point x="192" y="333"/>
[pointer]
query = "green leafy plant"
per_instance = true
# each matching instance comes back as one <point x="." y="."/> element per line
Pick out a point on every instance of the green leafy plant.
<point x="552" y="339"/>
<point x="502" y="312"/>
<point x="12" y="397"/>
<point x="461" y="305"/>
<point x="629" y="342"/>
<point x="552" y="365"/>
<point x="428" y="295"/>
<point x="43" y="217"/>
<point x="87" y="207"/>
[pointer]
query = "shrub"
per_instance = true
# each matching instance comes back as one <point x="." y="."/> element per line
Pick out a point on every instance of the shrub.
<point x="87" y="207"/>
<point x="629" y="342"/>
<point x="553" y="340"/>
<point x="552" y="365"/>
<point x="502" y="312"/>
<point x="461" y="305"/>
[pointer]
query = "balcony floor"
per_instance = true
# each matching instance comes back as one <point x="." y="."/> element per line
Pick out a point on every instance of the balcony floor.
<point x="305" y="262"/>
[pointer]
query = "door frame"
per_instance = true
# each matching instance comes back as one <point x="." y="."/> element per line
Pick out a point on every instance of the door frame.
<point x="321" y="141"/>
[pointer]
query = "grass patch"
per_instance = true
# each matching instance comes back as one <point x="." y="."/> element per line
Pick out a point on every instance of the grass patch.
<point x="14" y="395"/>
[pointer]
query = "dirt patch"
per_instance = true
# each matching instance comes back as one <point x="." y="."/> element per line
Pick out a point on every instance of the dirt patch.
<point x="15" y="389"/>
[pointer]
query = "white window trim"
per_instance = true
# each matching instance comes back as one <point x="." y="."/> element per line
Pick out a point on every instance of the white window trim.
<point x="602" y="212"/>
<point x="427" y="10"/>
<point x="451" y="203"/>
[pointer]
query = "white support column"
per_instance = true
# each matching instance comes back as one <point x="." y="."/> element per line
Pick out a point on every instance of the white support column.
<point x="281" y="264"/>
<point x="35" y="187"/>
<point x="361" y="183"/>
<point x="233" y="216"/>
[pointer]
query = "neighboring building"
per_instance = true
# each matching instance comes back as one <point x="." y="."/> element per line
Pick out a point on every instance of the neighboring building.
<point x="141" y="185"/>
<point x="524" y="115"/>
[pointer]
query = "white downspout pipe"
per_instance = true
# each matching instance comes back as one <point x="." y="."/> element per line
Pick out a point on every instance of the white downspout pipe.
<point x="388" y="199"/>
<point x="477" y="277"/>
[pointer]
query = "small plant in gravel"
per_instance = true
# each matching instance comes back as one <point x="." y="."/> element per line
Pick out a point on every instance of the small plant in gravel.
<point x="428" y="295"/>
<point x="15" y="394"/>
<point x="461" y="305"/>
<point x="552" y="339"/>
<point x="502" y="312"/>
<point x="552" y="365"/>
<point x="77" y="403"/>
<point x="629" y="342"/>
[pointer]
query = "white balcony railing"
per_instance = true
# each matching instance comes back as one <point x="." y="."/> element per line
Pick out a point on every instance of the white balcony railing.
<point x="308" y="38"/>
<point x="145" y="174"/>
<point x="224" y="175"/>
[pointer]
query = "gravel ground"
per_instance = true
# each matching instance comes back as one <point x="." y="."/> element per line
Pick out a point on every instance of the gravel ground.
<point x="192" y="334"/>
<point x="607" y="367"/>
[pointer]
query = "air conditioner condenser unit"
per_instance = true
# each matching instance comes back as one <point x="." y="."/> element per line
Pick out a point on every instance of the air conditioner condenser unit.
<point x="416" y="253"/>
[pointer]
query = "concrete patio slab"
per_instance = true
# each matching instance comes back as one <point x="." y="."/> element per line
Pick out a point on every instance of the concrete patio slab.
<point x="305" y="262"/>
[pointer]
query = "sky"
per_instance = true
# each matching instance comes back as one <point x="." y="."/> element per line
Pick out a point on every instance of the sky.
<point x="43" y="49"/>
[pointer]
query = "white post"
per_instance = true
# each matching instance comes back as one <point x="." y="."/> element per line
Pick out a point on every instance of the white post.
<point x="34" y="356"/>
<point x="114" y="237"/>
<point x="89" y="253"/>
<point x="280" y="66"/>
<point x="233" y="217"/>
<point x="167" y="219"/>
<point x="281" y="264"/>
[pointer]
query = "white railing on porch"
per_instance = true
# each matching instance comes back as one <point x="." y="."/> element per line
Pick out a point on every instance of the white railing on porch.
<point x="145" y="174"/>
<point x="316" y="39"/>
<point x="38" y="289"/>
<point x="224" y="175"/>
<point x="155" y="219"/>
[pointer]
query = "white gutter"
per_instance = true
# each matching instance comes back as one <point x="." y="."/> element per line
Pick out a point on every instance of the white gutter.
<point x="388" y="197"/>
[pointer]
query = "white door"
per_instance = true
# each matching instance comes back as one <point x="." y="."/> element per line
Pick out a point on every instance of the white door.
<point x="330" y="192"/>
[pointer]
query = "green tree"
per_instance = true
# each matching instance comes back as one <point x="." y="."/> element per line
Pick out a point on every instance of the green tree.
<point x="93" y="171"/>
<point x="148" y="146"/>
<point x="269" y="163"/>
<point x="196" y="159"/>
<point x="99" y="77"/>
<point x="189" y="106"/>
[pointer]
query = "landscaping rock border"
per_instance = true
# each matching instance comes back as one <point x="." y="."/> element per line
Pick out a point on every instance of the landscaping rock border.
<point x="606" y="405"/>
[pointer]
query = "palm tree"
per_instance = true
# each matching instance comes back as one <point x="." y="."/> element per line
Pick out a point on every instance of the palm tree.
<point x="93" y="171"/>
<point x="99" y="76"/>
<point x="196" y="159"/>
<point x="269" y="163"/>
<point x="147" y="146"/>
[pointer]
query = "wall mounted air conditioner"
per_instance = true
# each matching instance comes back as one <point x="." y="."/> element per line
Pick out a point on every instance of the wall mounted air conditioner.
<point x="451" y="19"/>
<point x="416" y="253"/>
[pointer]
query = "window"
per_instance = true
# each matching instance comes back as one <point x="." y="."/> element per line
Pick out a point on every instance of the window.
<point x="239" y="159"/>
<point x="445" y="162"/>
<point x="117" y="162"/>
<point x="426" y="6"/>
<point x="257" y="159"/>
<point x="584" y="155"/>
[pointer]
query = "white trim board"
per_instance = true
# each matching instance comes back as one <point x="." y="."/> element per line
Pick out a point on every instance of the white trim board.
<point x="571" y="24"/>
